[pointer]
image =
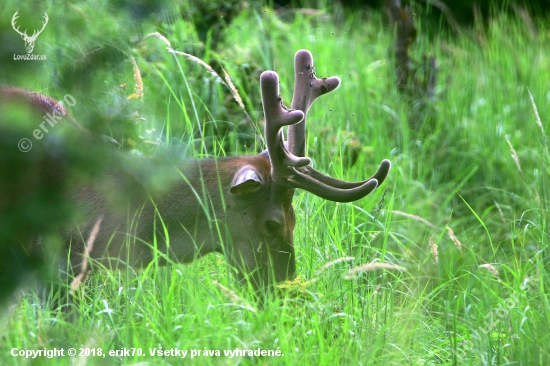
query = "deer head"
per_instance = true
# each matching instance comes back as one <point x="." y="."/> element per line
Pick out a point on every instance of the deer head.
<point x="290" y="169"/>
<point x="29" y="40"/>
<point x="240" y="206"/>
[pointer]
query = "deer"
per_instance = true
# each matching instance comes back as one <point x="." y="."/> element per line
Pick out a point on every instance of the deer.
<point x="240" y="206"/>
<point x="29" y="40"/>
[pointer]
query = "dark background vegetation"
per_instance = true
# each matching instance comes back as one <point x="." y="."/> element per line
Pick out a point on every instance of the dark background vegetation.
<point x="38" y="208"/>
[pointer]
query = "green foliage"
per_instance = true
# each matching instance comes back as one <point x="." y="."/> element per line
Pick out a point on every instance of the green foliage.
<point x="455" y="200"/>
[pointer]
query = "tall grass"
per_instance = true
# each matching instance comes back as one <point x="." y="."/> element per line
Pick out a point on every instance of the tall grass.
<point x="468" y="227"/>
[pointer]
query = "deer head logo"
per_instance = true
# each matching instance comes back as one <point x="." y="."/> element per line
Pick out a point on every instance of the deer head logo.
<point x="29" y="41"/>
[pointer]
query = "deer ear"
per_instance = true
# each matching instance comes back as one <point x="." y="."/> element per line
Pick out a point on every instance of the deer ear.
<point x="246" y="180"/>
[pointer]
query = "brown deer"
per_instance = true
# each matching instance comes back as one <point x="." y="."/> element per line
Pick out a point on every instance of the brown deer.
<point x="240" y="206"/>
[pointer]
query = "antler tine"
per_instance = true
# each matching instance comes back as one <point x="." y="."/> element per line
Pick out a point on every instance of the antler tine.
<point x="36" y="32"/>
<point x="307" y="88"/>
<point x="13" y="20"/>
<point x="276" y="117"/>
<point x="380" y="176"/>
<point x="320" y="189"/>
<point x="45" y="22"/>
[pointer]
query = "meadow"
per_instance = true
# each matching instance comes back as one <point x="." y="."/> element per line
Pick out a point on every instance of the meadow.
<point x="461" y="222"/>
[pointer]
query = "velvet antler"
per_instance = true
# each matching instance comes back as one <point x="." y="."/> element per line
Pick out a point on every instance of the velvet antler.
<point x="291" y="168"/>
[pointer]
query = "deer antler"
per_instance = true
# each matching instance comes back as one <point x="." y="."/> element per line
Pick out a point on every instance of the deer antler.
<point x="290" y="167"/>
<point x="29" y="41"/>
<point x="24" y="34"/>
<point x="307" y="88"/>
<point x="36" y="33"/>
<point x="13" y="19"/>
<point x="276" y="117"/>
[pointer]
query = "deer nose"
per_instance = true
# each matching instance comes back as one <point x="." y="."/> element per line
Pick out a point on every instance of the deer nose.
<point x="273" y="227"/>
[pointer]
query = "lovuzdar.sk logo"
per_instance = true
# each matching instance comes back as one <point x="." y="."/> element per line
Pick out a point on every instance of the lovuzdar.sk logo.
<point x="29" y="40"/>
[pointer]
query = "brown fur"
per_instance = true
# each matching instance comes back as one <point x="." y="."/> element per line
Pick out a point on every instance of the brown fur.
<point x="250" y="228"/>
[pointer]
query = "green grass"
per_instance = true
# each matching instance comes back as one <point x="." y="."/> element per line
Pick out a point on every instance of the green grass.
<point x="455" y="171"/>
